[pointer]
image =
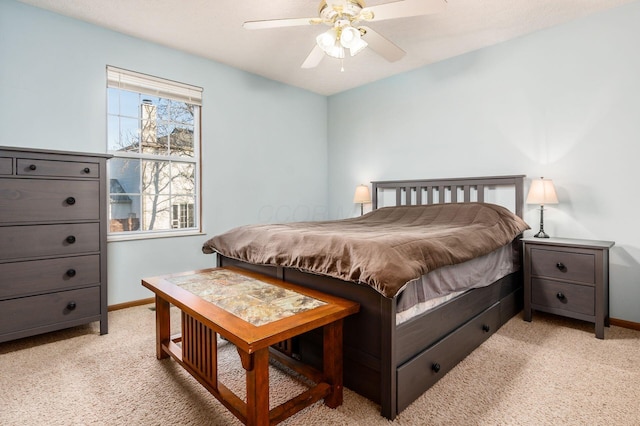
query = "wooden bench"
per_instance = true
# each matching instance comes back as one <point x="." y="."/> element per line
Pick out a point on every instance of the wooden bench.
<point x="253" y="312"/>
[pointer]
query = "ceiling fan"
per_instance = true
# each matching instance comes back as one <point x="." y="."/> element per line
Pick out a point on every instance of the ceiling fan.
<point x="345" y="32"/>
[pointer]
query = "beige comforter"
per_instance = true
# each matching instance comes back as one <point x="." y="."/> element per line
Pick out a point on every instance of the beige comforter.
<point x="385" y="249"/>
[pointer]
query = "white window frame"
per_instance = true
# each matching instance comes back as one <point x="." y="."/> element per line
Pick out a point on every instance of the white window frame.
<point x="158" y="87"/>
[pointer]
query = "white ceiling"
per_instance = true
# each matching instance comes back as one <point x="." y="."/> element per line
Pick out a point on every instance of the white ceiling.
<point x="213" y="29"/>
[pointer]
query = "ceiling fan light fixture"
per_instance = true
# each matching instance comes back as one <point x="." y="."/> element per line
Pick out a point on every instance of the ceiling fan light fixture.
<point x="343" y="16"/>
<point x="329" y="42"/>
<point x="349" y="36"/>
<point x="358" y="46"/>
<point x="327" y="39"/>
<point x="335" y="51"/>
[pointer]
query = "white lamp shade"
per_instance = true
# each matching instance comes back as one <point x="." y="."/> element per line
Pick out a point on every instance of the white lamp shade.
<point x="327" y="39"/>
<point x="357" y="46"/>
<point x="335" y="51"/>
<point x="542" y="192"/>
<point x="362" y="194"/>
<point x="348" y="36"/>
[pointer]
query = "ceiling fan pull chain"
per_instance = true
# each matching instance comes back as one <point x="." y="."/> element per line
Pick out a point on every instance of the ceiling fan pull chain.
<point x="342" y="65"/>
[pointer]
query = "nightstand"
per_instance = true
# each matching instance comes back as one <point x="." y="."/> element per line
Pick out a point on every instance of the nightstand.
<point x="567" y="277"/>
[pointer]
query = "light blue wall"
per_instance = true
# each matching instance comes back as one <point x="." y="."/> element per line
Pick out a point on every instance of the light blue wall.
<point x="263" y="143"/>
<point x="563" y="103"/>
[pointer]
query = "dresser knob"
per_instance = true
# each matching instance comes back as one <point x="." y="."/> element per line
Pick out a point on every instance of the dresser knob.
<point x="435" y="367"/>
<point x="71" y="273"/>
<point x="486" y="328"/>
<point x="71" y="239"/>
<point x="32" y="167"/>
<point x="71" y="306"/>
<point x="70" y="200"/>
<point x="561" y="266"/>
<point x="86" y="170"/>
<point x="560" y="295"/>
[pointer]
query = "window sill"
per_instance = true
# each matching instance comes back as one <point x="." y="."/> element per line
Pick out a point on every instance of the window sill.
<point x="114" y="238"/>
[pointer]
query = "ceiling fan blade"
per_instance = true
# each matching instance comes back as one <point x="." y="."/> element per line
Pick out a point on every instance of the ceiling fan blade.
<point x="278" y="23"/>
<point x="314" y="58"/>
<point x="381" y="45"/>
<point x="405" y="9"/>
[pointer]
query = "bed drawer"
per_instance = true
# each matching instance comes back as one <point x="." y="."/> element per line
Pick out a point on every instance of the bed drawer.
<point x="48" y="240"/>
<point x="419" y="374"/>
<point x="48" y="309"/>
<point x="42" y="276"/>
<point x="563" y="265"/>
<point x="419" y="333"/>
<point x="6" y="166"/>
<point x="35" y="200"/>
<point x="552" y="295"/>
<point x="37" y="167"/>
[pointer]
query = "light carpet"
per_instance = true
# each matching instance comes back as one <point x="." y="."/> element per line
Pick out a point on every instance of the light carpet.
<point x="548" y="372"/>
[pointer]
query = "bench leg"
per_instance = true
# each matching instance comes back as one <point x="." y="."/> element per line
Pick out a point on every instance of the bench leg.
<point x="163" y="326"/>
<point x="332" y="362"/>
<point x="257" y="368"/>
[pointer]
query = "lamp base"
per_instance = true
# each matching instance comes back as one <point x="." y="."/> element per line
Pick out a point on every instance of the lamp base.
<point x="541" y="233"/>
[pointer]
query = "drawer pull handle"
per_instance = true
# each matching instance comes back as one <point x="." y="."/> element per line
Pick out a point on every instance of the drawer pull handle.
<point x="86" y="170"/>
<point x="561" y="266"/>
<point x="32" y="167"/>
<point x="560" y="296"/>
<point x="71" y="273"/>
<point x="71" y="306"/>
<point x="71" y="239"/>
<point x="435" y="367"/>
<point x="486" y="328"/>
<point x="70" y="200"/>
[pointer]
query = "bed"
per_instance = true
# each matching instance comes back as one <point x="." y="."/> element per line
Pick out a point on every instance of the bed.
<point x="392" y="357"/>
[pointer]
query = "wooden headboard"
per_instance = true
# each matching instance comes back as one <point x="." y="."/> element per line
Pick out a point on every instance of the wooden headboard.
<point x="451" y="190"/>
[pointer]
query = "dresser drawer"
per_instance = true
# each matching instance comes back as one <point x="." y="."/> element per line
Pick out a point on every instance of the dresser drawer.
<point x="6" y="166"/>
<point x="34" y="167"/>
<point x="35" y="200"/>
<point x="42" y="276"/>
<point x="48" y="309"/>
<point x="559" y="295"/>
<point x="563" y="265"/>
<point x="32" y="241"/>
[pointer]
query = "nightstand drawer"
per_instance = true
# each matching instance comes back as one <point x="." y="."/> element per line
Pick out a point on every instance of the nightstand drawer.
<point x="47" y="309"/>
<point x="35" y="200"/>
<point x="559" y="295"/>
<point x="6" y="166"/>
<point x="563" y="265"/>
<point x="35" y="167"/>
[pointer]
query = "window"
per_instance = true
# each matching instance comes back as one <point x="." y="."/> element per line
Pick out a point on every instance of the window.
<point x="183" y="216"/>
<point x="153" y="133"/>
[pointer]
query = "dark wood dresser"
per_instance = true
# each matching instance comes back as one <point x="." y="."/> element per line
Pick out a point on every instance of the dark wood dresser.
<point x="53" y="256"/>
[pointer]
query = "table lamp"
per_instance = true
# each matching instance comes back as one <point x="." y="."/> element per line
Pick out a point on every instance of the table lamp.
<point x="542" y="192"/>
<point x="362" y="196"/>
